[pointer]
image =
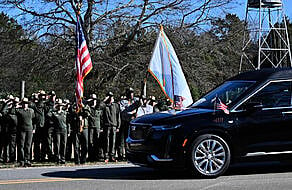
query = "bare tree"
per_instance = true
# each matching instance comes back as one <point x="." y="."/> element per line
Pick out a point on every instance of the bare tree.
<point x="120" y="34"/>
<point x="56" y="17"/>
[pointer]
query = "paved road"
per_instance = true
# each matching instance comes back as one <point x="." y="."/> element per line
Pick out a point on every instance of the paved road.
<point x="266" y="176"/>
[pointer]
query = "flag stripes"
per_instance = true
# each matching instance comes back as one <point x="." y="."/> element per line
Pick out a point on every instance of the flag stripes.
<point x="83" y="63"/>
<point x="221" y="106"/>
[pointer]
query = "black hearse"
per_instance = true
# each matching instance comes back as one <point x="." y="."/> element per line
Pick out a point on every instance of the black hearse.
<point x="205" y="139"/>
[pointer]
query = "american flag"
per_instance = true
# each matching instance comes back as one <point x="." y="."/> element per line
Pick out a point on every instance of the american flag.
<point x="178" y="100"/>
<point x="83" y="63"/>
<point x="221" y="106"/>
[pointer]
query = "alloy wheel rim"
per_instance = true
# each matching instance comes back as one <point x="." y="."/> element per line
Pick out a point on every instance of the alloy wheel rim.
<point x="209" y="157"/>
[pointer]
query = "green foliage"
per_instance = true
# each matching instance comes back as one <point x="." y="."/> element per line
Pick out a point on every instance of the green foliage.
<point x="195" y="91"/>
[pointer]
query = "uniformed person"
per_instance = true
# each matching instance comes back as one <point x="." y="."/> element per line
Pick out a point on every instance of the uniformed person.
<point x="128" y="108"/>
<point x="75" y="132"/>
<point x="83" y="138"/>
<point x="2" y="102"/>
<point x="154" y="104"/>
<point x="4" y="149"/>
<point x="49" y="124"/>
<point x="39" y="122"/>
<point x="25" y="116"/>
<point x="94" y="147"/>
<point x="12" y="129"/>
<point x="111" y="116"/>
<point x="68" y="108"/>
<point x="145" y="107"/>
<point x="2" y="135"/>
<point x="60" y="119"/>
<point x="80" y="132"/>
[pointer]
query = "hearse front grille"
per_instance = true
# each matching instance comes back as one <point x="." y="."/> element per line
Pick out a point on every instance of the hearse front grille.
<point x="139" y="131"/>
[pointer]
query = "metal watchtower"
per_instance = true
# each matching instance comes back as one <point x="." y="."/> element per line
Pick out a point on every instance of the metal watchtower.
<point x="266" y="40"/>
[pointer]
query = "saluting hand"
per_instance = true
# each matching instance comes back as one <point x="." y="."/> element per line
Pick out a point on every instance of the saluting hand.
<point x="106" y="98"/>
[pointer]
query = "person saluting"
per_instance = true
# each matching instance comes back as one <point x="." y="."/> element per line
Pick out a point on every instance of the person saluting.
<point x="59" y="117"/>
<point x="26" y="129"/>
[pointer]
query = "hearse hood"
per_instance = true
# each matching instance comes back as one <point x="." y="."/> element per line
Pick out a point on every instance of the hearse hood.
<point x="169" y="115"/>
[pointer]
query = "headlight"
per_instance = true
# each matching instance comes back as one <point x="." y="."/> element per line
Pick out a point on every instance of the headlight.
<point x="166" y="127"/>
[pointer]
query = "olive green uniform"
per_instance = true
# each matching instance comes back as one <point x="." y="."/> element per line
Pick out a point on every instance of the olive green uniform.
<point x="95" y="142"/>
<point x="40" y="132"/>
<point x="80" y="135"/>
<point x="49" y="129"/>
<point x="4" y="134"/>
<point x="25" y="131"/>
<point x="83" y="137"/>
<point x="2" y="138"/>
<point x="112" y="121"/>
<point x="60" y="131"/>
<point x="128" y="112"/>
<point x="12" y="133"/>
<point x="73" y="118"/>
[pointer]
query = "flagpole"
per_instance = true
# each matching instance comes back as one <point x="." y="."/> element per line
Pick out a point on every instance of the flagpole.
<point x="172" y="81"/>
<point x="171" y="70"/>
<point x="77" y="13"/>
<point x="143" y="85"/>
<point x="215" y="104"/>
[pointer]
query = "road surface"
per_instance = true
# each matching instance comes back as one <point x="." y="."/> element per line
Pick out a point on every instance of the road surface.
<point x="266" y="176"/>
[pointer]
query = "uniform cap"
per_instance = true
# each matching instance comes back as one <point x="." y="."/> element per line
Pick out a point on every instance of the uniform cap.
<point x="66" y="101"/>
<point x="10" y="97"/>
<point x="59" y="102"/>
<point x="52" y="93"/>
<point x="35" y="95"/>
<point x="92" y="97"/>
<point x="16" y="99"/>
<point x="152" y="98"/>
<point x="130" y="89"/>
<point x="42" y="92"/>
<point x="110" y="94"/>
<point x="25" y="100"/>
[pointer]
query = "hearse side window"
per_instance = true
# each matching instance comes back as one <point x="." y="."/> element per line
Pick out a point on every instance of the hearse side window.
<point x="276" y="94"/>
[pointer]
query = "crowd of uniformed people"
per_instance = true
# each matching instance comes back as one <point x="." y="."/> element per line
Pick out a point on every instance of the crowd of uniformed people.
<point x="45" y="128"/>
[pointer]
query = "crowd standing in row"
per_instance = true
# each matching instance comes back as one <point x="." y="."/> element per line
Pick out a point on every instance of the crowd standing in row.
<point x="47" y="128"/>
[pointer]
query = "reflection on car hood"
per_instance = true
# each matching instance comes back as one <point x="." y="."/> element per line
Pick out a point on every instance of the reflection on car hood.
<point x="150" y="118"/>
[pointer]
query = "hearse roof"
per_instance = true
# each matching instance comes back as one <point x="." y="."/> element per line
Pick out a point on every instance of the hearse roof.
<point x="265" y="74"/>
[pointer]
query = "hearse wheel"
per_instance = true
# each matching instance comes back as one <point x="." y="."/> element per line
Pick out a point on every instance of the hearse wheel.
<point x="210" y="156"/>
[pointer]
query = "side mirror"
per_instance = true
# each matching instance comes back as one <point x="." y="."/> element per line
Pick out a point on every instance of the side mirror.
<point x="253" y="106"/>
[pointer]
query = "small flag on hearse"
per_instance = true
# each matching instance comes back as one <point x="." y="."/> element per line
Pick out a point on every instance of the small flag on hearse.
<point x="219" y="105"/>
<point x="166" y="69"/>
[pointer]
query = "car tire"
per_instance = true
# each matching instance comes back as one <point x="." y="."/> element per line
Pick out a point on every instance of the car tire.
<point x="209" y="156"/>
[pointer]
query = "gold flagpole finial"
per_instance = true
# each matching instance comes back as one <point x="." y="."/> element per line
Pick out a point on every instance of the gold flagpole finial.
<point x="78" y="7"/>
<point x="161" y="27"/>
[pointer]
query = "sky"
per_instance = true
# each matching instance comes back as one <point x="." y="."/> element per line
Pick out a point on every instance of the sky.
<point x="240" y="9"/>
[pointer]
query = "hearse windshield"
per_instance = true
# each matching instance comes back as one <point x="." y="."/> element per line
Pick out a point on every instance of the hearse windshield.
<point x="227" y="93"/>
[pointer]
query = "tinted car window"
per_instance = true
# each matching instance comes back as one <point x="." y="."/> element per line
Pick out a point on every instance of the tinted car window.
<point x="227" y="93"/>
<point x="276" y="94"/>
